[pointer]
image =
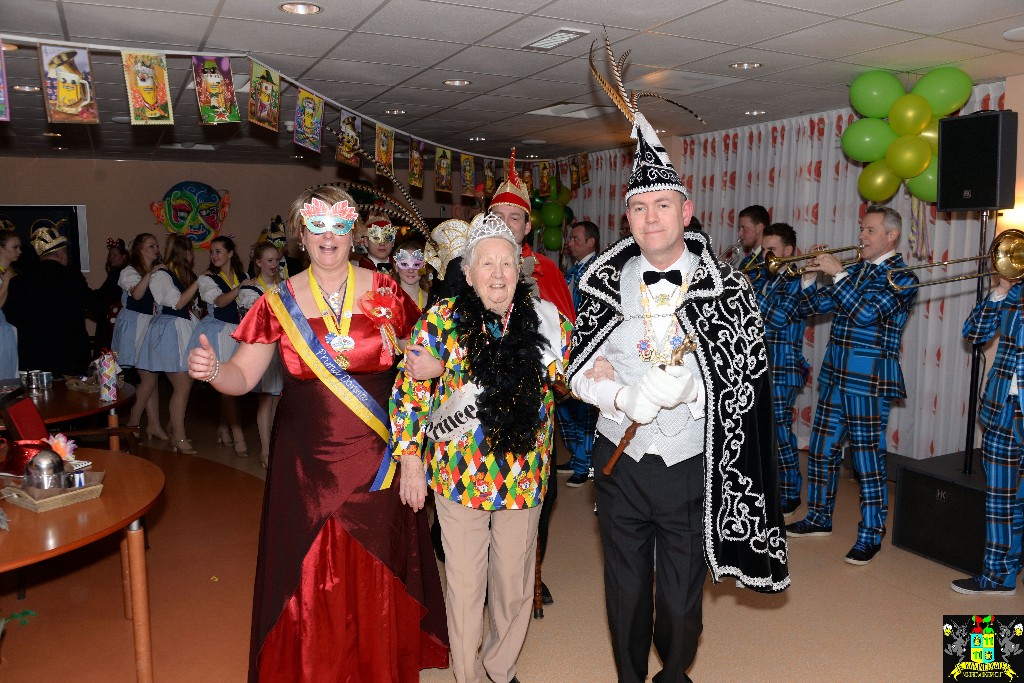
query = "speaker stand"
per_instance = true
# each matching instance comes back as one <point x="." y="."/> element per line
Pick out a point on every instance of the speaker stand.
<point x="977" y="352"/>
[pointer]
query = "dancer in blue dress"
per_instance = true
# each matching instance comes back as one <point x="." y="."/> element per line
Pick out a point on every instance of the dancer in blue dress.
<point x="10" y="251"/>
<point x="173" y="286"/>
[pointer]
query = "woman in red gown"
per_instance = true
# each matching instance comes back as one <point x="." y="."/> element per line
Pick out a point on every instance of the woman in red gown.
<point x="346" y="585"/>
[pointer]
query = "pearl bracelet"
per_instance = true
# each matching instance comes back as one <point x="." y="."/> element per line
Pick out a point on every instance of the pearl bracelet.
<point x="216" y="371"/>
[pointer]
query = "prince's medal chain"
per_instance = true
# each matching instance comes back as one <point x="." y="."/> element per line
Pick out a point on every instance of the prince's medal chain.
<point x="338" y="320"/>
<point x="649" y="348"/>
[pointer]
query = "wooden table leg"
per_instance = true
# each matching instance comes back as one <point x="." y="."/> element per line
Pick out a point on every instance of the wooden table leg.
<point x="126" y="578"/>
<point x="140" y="603"/>
<point x="115" y="440"/>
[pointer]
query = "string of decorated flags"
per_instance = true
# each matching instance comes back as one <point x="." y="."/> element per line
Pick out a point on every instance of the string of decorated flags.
<point x="69" y="96"/>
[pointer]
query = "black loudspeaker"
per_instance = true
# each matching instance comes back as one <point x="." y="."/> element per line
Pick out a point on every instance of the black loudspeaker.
<point x="977" y="161"/>
<point x="940" y="512"/>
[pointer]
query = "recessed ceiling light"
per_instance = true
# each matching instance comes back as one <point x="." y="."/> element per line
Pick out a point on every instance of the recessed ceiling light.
<point x="559" y="37"/>
<point x="531" y="156"/>
<point x="457" y="82"/>
<point x="25" y="88"/>
<point x="60" y="149"/>
<point x="743" y="66"/>
<point x="301" y="8"/>
<point x="394" y="112"/>
<point x="477" y="138"/>
<point x="1015" y="35"/>
<point x="755" y="112"/>
<point x="51" y="135"/>
<point x="9" y="47"/>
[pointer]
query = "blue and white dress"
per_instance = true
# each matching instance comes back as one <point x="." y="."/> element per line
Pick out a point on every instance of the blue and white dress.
<point x="272" y="381"/>
<point x="164" y="348"/>
<point x="132" y="320"/>
<point x="8" y="343"/>
<point x="219" y="323"/>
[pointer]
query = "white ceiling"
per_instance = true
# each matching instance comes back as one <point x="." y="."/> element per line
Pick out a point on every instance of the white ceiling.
<point x="374" y="55"/>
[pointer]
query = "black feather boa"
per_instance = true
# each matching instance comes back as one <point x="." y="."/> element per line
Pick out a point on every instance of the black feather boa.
<point x="508" y="370"/>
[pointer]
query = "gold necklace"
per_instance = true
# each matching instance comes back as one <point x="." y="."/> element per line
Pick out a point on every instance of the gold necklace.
<point x="649" y="348"/>
<point x="337" y="320"/>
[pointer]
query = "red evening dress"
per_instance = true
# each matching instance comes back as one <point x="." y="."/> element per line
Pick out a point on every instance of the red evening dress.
<point x="347" y="588"/>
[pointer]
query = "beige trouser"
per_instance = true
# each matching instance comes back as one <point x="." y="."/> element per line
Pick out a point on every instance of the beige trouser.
<point x="504" y="543"/>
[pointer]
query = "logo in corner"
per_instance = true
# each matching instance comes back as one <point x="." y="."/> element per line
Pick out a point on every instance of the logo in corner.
<point x="982" y="646"/>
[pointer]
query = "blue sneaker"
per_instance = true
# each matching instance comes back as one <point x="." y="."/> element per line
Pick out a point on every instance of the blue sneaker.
<point x="862" y="553"/>
<point x="979" y="585"/>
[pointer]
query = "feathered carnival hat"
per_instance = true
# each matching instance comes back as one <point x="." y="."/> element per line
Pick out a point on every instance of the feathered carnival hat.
<point x="652" y="169"/>
<point x="48" y="238"/>
<point x="511" y="192"/>
<point x="447" y="241"/>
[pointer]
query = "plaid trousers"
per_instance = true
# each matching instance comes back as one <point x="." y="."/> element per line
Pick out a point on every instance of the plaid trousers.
<point x="862" y="418"/>
<point x="578" y="422"/>
<point x="790" y="481"/>
<point x="1002" y="447"/>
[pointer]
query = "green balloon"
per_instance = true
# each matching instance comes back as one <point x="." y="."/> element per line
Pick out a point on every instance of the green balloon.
<point x="551" y="215"/>
<point x="553" y="238"/>
<point x="867" y="139"/>
<point x="946" y="89"/>
<point x="925" y="186"/>
<point x="569" y="215"/>
<point x="872" y="93"/>
<point x="554" y="188"/>
<point x="536" y="201"/>
<point x="931" y="134"/>
<point x="910" y="114"/>
<point x="564" y="195"/>
<point x="876" y="182"/>
<point x="908" y="156"/>
<point x="535" y="218"/>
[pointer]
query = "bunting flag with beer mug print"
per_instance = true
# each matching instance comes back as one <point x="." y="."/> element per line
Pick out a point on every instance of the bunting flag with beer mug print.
<point x="149" y="96"/>
<point x="385" y="148"/>
<point x="574" y="173"/>
<point x="526" y="177"/>
<point x="215" y="90"/>
<point x="489" y="181"/>
<point x="309" y="120"/>
<point x="5" y="106"/>
<point x="417" y="148"/>
<point x="544" y="177"/>
<point x="442" y="170"/>
<point x="584" y="169"/>
<point x="468" y="175"/>
<point x="264" y="96"/>
<point x="68" y="87"/>
<point x="349" y="139"/>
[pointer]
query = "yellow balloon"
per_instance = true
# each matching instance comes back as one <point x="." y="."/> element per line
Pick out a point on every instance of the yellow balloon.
<point x="908" y="156"/>
<point x="931" y="135"/>
<point x="876" y="182"/>
<point x="910" y="114"/>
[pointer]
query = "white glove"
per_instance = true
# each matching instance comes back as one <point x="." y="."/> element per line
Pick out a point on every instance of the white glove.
<point x="637" y="407"/>
<point x="669" y="387"/>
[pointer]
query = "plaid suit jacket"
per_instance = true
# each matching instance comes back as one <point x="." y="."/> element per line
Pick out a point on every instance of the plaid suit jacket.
<point x="785" y="314"/>
<point x="979" y="328"/>
<point x="868" y="317"/>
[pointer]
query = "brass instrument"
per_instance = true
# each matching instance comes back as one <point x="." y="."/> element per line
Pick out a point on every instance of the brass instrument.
<point x="1006" y="254"/>
<point x="732" y="254"/>
<point x="753" y="271"/>
<point x="776" y="264"/>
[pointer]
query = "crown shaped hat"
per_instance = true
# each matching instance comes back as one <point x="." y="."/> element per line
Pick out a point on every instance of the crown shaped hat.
<point x="484" y="226"/>
<point x="511" y="191"/>
<point x="49" y="238"/>
<point x="447" y="241"/>
<point x="652" y="169"/>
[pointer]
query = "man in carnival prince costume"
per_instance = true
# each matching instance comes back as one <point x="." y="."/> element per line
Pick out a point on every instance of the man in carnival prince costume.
<point x="699" y="476"/>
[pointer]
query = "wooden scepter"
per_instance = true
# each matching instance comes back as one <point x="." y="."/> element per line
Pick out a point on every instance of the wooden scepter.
<point x="689" y="345"/>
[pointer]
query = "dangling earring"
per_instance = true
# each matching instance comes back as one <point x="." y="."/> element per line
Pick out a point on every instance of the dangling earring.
<point x="302" y="246"/>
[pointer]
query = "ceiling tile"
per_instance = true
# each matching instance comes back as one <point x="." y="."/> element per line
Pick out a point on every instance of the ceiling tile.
<point x="334" y="15"/>
<point x="511" y="105"/>
<point x="821" y="74"/>
<point x="741" y="22"/>
<point x="35" y="17"/>
<point x="772" y="62"/>
<point x="837" y="39"/>
<point x="658" y="49"/>
<point x="425" y="96"/>
<point x="990" y="33"/>
<point x="360" y="72"/>
<point x="290" y="65"/>
<point x="913" y="55"/>
<point x="503" y="62"/>
<point x="753" y="91"/>
<point x="425" y="19"/>
<point x="922" y="15"/>
<point x="395" y="49"/>
<point x="478" y="83"/>
<point x="547" y="91"/>
<point x="240" y="35"/>
<point x="119" y="23"/>
<point x="625" y="14"/>
<point x="834" y="8"/>
<point x="578" y="70"/>
<point x="531" y="29"/>
<point x="993" y="66"/>
<point x="670" y="81"/>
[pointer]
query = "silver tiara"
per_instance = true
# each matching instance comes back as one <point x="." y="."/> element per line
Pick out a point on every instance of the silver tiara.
<point x="490" y="225"/>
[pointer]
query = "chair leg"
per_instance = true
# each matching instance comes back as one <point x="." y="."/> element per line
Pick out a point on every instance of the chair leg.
<point x="538" y="598"/>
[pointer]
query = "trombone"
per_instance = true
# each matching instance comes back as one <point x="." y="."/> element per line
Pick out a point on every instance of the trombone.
<point x="1006" y="254"/>
<point x="784" y="264"/>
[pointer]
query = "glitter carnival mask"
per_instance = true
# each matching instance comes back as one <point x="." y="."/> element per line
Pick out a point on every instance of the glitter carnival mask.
<point x="318" y="217"/>
<point x="409" y="260"/>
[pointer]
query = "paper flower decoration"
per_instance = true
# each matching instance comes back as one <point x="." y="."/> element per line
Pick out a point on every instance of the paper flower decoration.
<point x="62" y="446"/>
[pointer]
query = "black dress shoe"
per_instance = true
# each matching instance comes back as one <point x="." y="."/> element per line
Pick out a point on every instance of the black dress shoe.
<point x="861" y="553"/>
<point x="545" y="596"/>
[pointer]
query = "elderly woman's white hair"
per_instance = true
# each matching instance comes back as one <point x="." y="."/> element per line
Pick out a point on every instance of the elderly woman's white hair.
<point x="484" y="227"/>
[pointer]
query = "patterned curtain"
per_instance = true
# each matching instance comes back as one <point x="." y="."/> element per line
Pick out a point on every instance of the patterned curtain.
<point x="796" y="168"/>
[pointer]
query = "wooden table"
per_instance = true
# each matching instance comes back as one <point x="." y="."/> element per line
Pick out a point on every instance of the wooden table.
<point x="130" y="488"/>
<point x="58" y="403"/>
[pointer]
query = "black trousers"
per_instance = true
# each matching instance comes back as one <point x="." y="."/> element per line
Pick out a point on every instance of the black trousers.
<point x="642" y="507"/>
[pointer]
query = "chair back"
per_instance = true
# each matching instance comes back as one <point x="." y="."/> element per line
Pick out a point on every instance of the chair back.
<point x="21" y="416"/>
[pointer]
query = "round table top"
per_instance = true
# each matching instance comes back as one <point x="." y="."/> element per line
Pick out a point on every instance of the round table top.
<point x="58" y="403"/>
<point x="131" y="486"/>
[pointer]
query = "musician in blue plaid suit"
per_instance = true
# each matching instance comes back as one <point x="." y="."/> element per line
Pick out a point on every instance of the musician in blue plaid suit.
<point x="860" y="376"/>
<point x="576" y="419"/>
<point x="785" y="314"/>
<point x="1002" y="442"/>
<point x="752" y="222"/>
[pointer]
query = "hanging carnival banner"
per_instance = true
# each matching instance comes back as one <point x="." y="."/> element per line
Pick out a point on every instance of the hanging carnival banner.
<point x="384" y="156"/>
<point x="468" y="175"/>
<point x="264" y="96"/>
<point x="348" y="139"/>
<point x="544" y="174"/>
<point x="67" y="84"/>
<point x="489" y="181"/>
<point x="416" y="150"/>
<point x="442" y="170"/>
<point x="526" y="177"/>
<point x="584" y="168"/>
<point x="149" y="96"/>
<point x="309" y="120"/>
<point x="215" y="90"/>
<point x="574" y="173"/>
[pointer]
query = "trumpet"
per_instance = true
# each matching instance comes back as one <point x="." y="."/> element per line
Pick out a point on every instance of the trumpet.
<point x="784" y="264"/>
<point x="753" y="271"/>
<point x="1006" y="255"/>
<point x="731" y="254"/>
